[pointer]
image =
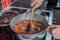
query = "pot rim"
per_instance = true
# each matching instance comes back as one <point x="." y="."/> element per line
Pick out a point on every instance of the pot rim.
<point x="4" y="24"/>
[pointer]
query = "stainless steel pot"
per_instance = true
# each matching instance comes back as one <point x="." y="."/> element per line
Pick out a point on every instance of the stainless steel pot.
<point x="35" y="16"/>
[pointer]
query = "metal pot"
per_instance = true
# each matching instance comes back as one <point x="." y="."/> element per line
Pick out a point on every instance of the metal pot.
<point x="35" y="16"/>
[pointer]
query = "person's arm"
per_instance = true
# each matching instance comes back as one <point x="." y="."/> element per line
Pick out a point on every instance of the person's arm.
<point x="35" y="4"/>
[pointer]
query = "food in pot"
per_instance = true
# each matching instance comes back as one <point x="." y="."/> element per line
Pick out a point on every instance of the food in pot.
<point x="21" y="27"/>
<point x="24" y="27"/>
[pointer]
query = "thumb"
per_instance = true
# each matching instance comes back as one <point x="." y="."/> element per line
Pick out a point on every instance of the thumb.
<point x="51" y="27"/>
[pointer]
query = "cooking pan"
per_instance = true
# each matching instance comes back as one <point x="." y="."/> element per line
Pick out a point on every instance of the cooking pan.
<point x="35" y="17"/>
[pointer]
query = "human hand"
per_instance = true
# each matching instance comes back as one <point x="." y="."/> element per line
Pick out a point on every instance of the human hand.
<point x="35" y="4"/>
<point x="55" y="31"/>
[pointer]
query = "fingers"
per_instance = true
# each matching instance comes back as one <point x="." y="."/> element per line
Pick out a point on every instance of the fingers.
<point x="53" y="26"/>
<point x="56" y="36"/>
<point x="33" y="3"/>
<point x="36" y="6"/>
<point x="32" y="0"/>
<point x="55" y="31"/>
<point x="36" y="3"/>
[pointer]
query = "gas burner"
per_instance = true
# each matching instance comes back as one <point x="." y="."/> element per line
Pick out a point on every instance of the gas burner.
<point x="18" y="10"/>
<point x="48" y="15"/>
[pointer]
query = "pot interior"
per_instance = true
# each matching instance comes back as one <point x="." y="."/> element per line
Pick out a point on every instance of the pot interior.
<point x="40" y="19"/>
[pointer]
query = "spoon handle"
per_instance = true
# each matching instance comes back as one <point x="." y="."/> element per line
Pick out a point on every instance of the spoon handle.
<point x="31" y="14"/>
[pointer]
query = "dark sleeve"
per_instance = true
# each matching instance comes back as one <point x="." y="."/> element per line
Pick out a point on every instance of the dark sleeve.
<point x="52" y="2"/>
<point x="22" y="3"/>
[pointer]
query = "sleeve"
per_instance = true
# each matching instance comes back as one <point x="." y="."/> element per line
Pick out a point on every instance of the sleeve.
<point x="22" y="3"/>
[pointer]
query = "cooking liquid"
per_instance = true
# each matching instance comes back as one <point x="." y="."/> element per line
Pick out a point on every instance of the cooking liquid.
<point x="24" y="27"/>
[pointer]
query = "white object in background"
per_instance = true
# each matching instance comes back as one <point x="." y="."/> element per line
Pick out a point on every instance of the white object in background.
<point x="58" y="3"/>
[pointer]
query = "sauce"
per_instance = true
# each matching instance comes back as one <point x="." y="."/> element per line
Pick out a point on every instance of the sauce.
<point x="24" y="27"/>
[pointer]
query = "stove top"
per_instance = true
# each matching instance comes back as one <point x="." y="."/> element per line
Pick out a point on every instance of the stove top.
<point x="49" y="17"/>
